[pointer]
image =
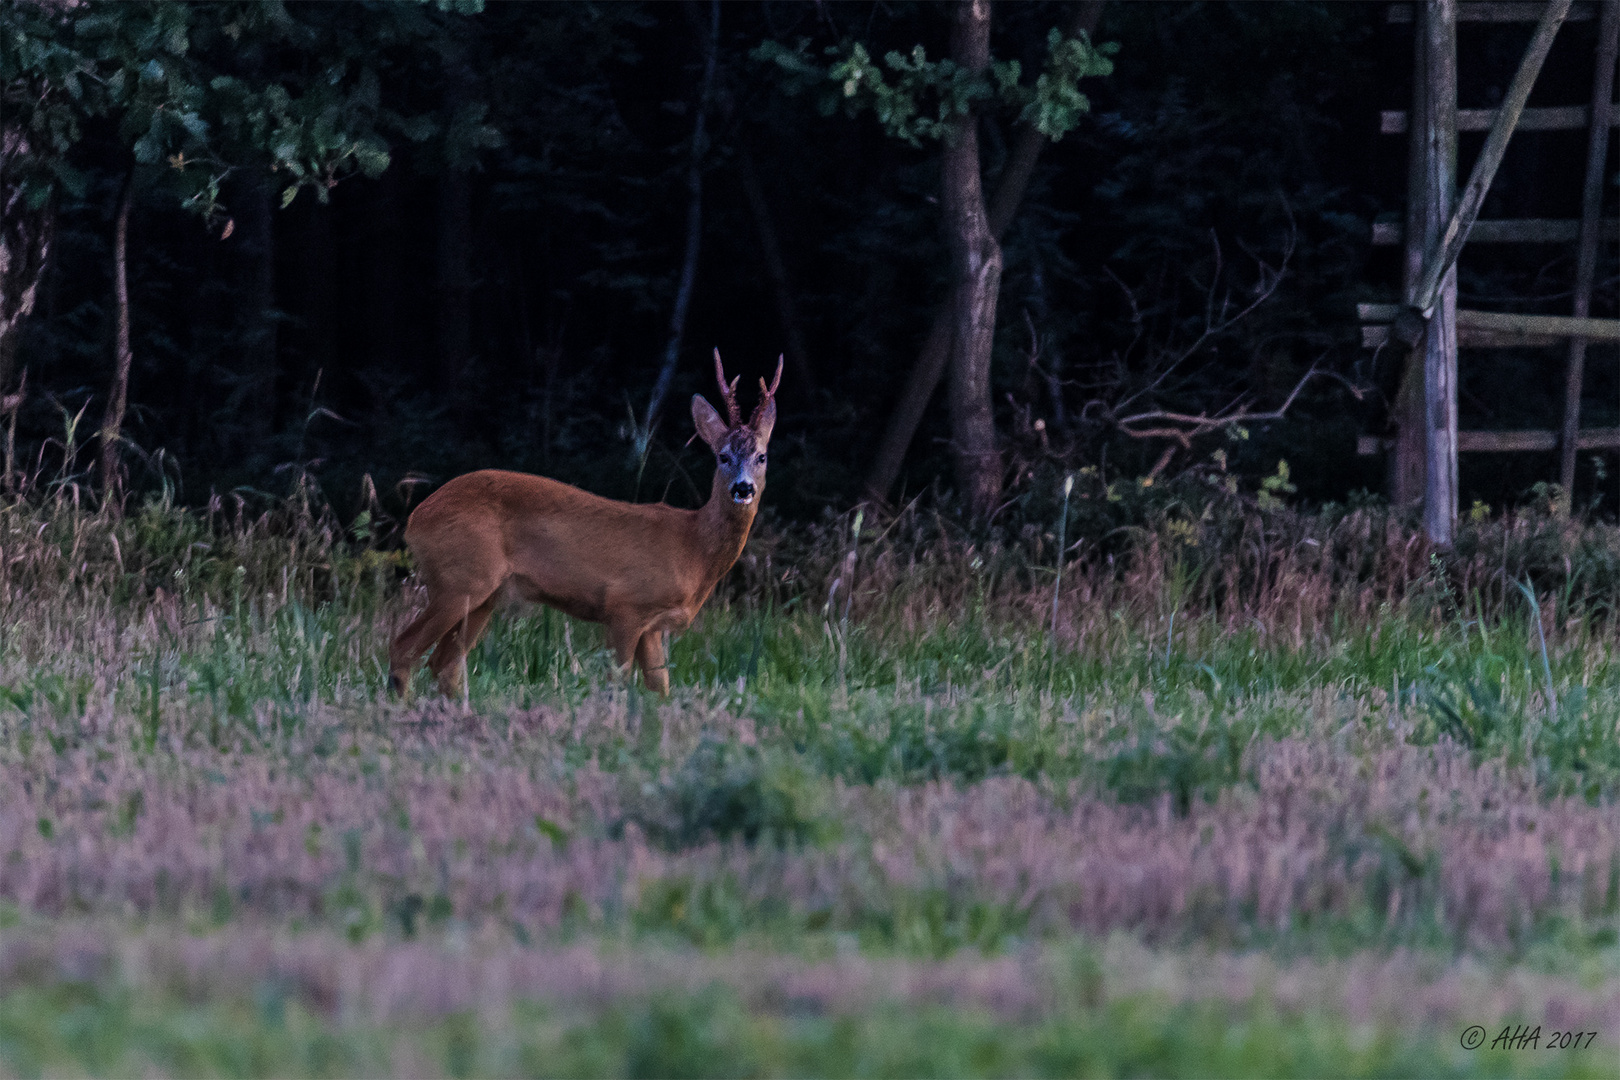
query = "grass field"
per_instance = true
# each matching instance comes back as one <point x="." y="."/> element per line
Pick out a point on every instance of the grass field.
<point x="1282" y="795"/>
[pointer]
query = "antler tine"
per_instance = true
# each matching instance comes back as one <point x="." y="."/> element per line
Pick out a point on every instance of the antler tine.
<point x="728" y="392"/>
<point x="767" y="394"/>
<point x="770" y="391"/>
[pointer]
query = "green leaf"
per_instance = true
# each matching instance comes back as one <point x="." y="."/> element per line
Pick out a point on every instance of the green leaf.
<point x="75" y="181"/>
<point x="417" y="128"/>
<point x="372" y="158"/>
<point x="147" y="149"/>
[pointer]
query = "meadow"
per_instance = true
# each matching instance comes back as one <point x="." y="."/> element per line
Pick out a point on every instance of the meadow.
<point x="1248" y="791"/>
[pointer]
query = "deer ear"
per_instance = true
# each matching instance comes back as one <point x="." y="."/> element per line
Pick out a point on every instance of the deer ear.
<point x="763" y="421"/>
<point x="710" y="428"/>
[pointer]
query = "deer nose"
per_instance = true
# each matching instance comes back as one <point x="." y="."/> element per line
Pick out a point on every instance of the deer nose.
<point x="742" y="491"/>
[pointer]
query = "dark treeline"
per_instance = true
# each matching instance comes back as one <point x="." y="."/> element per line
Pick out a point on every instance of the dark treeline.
<point x="574" y="192"/>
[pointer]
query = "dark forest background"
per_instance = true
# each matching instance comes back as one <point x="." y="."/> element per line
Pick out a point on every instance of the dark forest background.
<point x="501" y="294"/>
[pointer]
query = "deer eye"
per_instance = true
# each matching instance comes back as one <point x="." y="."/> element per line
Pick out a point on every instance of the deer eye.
<point x="725" y="459"/>
<point x="762" y="459"/>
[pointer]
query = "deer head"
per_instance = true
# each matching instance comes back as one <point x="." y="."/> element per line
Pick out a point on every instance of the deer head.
<point x="739" y="448"/>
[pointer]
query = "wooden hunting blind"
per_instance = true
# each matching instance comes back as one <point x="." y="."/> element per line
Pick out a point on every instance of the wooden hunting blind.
<point x="1427" y="325"/>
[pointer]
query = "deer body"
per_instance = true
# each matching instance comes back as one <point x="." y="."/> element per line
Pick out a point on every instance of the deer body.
<point x="638" y="569"/>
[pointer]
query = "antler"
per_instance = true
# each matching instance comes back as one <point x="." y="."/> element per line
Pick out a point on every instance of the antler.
<point x="728" y="392"/>
<point x="767" y="394"/>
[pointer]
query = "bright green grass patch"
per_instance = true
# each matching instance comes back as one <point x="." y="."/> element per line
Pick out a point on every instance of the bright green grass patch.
<point x="77" y="1027"/>
<point x="965" y="699"/>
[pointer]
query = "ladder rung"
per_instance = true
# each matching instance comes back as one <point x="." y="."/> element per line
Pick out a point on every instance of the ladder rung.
<point x="1469" y="337"/>
<point x="1495" y="329"/>
<point x="1565" y="326"/>
<point x="1511" y="441"/>
<point x="1497" y="11"/>
<point x="1502" y="442"/>
<point x="1549" y="118"/>
<point x="1504" y="231"/>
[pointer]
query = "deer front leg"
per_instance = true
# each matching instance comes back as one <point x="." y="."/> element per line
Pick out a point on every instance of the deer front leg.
<point x="622" y="639"/>
<point x="447" y="661"/>
<point x="654" y="666"/>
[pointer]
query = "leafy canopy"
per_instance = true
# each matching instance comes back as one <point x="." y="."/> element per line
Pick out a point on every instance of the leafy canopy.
<point x="917" y="98"/>
<point x="189" y="85"/>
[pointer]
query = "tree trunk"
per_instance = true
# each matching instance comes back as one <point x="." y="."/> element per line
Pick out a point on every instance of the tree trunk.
<point x="112" y="421"/>
<point x="932" y="359"/>
<point x="694" y="234"/>
<point x="976" y="282"/>
<point x="25" y="245"/>
<point x="781" y="289"/>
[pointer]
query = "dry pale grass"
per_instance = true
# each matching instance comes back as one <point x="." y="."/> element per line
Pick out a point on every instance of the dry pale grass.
<point x="345" y="826"/>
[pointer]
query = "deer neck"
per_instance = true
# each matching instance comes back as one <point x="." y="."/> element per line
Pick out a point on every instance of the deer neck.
<point x="722" y="527"/>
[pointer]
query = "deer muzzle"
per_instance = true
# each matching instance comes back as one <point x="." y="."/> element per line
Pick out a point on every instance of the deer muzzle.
<point x="742" y="492"/>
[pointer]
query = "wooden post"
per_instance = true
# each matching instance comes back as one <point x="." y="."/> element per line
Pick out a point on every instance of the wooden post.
<point x="1441" y="252"/>
<point x="1440" y="343"/>
<point x="1597" y="151"/>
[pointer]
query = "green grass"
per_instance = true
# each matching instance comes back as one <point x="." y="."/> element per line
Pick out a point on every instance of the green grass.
<point x="195" y="742"/>
<point x="955" y="701"/>
<point x="711" y="1033"/>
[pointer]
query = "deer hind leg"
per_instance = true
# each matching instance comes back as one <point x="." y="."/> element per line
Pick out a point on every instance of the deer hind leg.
<point x="650" y="655"/>
<point x="456" y="642"/>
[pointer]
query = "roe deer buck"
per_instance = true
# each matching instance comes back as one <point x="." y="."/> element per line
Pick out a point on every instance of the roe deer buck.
<point x="641" y="569"/>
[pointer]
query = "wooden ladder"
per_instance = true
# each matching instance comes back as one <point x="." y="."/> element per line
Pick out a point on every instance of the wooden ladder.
<point x="1437" y="122"/>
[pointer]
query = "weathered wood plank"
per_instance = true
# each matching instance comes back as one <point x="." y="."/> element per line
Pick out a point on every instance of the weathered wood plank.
<point x="1504" y="231"/>
<point x="1514" y="328"/>
<point x="1546" y="118"/>
<point x="1564" y="326"/>
<point x="1437" y="298"/>
<point x="1499" y="11"/>
<point x="1368" y="445"/>
<point x="1505" y="442"/>
<point x="1469" y="338"/>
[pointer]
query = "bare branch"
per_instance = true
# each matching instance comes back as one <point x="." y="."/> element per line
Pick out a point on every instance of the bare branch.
<point x="1184" y="427"/>
<point x="1270" y="280"/>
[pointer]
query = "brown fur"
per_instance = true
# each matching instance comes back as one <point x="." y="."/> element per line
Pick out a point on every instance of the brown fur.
<point x="638" y="569"/>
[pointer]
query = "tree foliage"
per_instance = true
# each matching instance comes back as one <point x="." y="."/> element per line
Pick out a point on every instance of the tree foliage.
<point x="206" y="89"/>
<point x="1226" y="136"/>
<point x="917" y="99"/>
